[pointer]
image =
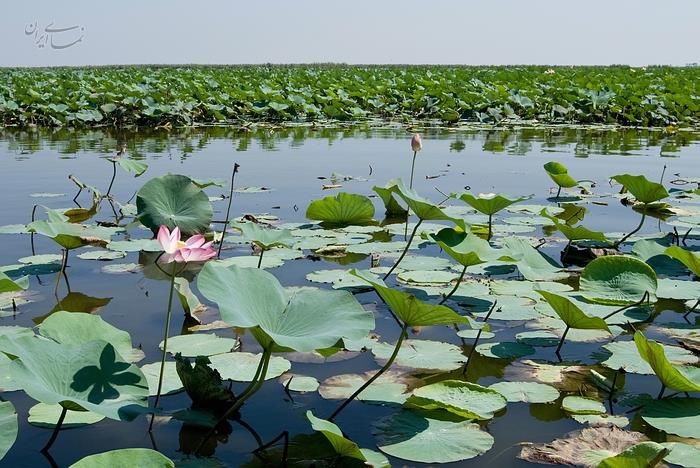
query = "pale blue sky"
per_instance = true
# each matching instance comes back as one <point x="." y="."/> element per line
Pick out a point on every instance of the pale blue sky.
<point x="635" y="32"/>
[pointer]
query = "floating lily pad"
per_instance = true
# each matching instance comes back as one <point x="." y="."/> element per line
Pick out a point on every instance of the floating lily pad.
<point x="422" y="354"/>
<point x="409" y="436"/>
<point x="171" y="381"/>
<point x="390" y="387"/>
<point x="135" y="245"/>
<point x="617" y="280"/>
<point x="426" y="277"/>
<point x="117" y="268"/>
<point x="199" y="344"/>
<point x="601" y="420"/>
<point x="582" y="405"/>
<point x="8" y="427"/>
<point x="41" y="259"/>
<point x="680" y="416"/>
<point x="241" y="366"/>
<point x="465" y="399"/>
<point x="43" y="415"/>
<point x="527" y="392"/>
<point x="103" y="255"/>
<point x="538" y="338"/>
<point x="123" y="458"/>
<point x="505" y="350"/>
<point x="299" y="383"/>
<point x="681" y="454"/>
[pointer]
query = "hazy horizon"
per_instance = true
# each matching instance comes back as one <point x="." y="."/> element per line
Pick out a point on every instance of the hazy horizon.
<point x="449" y="32"/>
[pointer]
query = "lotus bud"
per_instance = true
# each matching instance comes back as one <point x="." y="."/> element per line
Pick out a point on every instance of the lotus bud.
<point x="416" y="143"/>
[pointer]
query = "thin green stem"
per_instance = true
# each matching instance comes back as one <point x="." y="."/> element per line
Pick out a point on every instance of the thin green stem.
<point x="228" y="209"/>
<point x="403" y="254"/>
<point x="476" y="340"/>
<point x="645" y="297"/>
<point x="561" y="342"/>
<point x="558" y="192"/>
<point x="617" y="244"/>
<point x="413" y="165"/>
<point x="261" y="257"/>
<point x="62" y="271"/>
<point x="384" y="368"/>
<point x="56" y="429"/>
<point x="459" y="281"/>
<point x="661" y="392"/>
<point x="490" y="227"/>
<point x="114" y="175"/>
<point x="165" y="340"/>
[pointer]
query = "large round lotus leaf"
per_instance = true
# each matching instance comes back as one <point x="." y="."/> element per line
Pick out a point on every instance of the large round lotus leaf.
<point x="72" y="329"/>
<point x="617" y="280"/>
<point x="344" y="208"/>
<point x="422" y="354"/>
<point x="43" y="415"/>
<point x="199" y="344"/>
<point x="390" y="387"/>
<point x="241" y="367"/>
<point x="559" y="174"/>
<point x="173" y="200"/>
<point x="465" y="399"/>
<point x="489" y="203"/>
<point x="91" y="375"/>
<point x="582" y="405"/>
<point x="411" y="437"/>
<point x="505" y="350"/>
<point x="8" y="427"/>
<point x="303" y="320"/>
<point x="527" y="392"/>
<point x="299" y="383"/>
<point x="626" y="356"/>
<point x="643" y="190"/>
<point x="171" y="380"/>
<point x="126" y="458"/>
<point x="680" y="416"/>
<point x="681" y="454"/>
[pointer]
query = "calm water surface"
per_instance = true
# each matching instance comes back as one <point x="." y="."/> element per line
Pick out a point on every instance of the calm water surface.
<point x="292" y="162"/>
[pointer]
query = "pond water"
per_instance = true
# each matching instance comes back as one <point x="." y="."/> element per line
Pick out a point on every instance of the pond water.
<point x="294" y="164"/>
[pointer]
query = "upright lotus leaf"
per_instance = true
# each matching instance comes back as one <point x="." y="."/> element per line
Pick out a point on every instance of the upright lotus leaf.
<point x="126" y="458"/>
<point x="303" y="319"/>
<point x="73" y="329"/>
<point x="560" y="174"/>
<point x="642" y="455"/>
<point x="391" y="206"/>
<point x="618" y="279"/>
<point x="8" y="427"/>
<point x="342" y="446"/>
<point x="467" y="249"/>
<point x="571" y="314"/>
<point x="465" y="399"/>
<point x="686" y="257"/>
<point x="90" y="376"/>
<point x="73" y="236"/>
<point x="643" y="190"/>
<point x="680" y="378"/>
<point x="344" y="208"/>
<point x="574" y="233"/>
<point x="423" y="208"/>
<point x="489" y="203"/>
<point x="264" y="238"/>
<point x="409" y="309"/>
<point x="9" y="285"/>
<point x="173" y="200"/>
<point x="130" y="165"/>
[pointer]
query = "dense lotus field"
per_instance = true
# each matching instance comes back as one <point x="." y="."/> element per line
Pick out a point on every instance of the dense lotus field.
<point x="153" y="96"/>
<point x="467" y="265"/>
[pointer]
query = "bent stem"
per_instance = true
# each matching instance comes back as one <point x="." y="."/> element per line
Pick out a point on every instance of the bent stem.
<point x="165" y="344"/>
<point x="459" y="281"/>
<point x="403" y="254"/>
<point x="228" y="209"/>
<point x="62" y="272"/>
<point x="645" y="297"/>
<point x="413" y="165"/>
<point x="254" y="386"/>
<point x="114" y="175"/>
<point x="375" y="376"/>
<point x="644" y="215"/>
<point x="261" y="257"/>
<point x="57" y="428"/>
<point x="561" y="342"/>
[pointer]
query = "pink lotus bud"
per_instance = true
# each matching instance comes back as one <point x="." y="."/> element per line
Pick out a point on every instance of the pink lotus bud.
<point x="416" y="143"/>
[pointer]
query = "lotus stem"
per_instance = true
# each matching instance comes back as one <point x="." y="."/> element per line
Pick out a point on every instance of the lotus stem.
<point x="558" y="192"/>
<point x="617" y="244"/>
<point x="261" y="257"/>
<point x="612" y="388"/>
<point x="478" y="335"/>
<point x="114" y="176"/>
<point x="561" y="342"/>
<point x="254" y="386"/>
<point x="384" y="368"/>
<point x="62" y="272"/>
<point x="31" y="236"/>
<point x="685" y="316"/>
<point x="403" y="254"/>
<point x="459" y="281"/>
<point x="56" y="429"/>
<point x="262" y="447"/>
<point x="488" y="238"/>
<point x="165" y="343"/>
<point x="645" y="297"/>
<point x="661" y="393"/>
<point x="228" y="209"/>
<point x="413" y="165"/>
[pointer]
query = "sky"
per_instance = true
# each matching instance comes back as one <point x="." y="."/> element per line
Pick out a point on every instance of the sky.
<point x="554" y="32"/>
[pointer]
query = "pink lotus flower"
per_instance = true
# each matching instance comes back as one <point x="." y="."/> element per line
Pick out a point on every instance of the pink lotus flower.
<point x="416" y="143"/>
<point x="194" y="249"/>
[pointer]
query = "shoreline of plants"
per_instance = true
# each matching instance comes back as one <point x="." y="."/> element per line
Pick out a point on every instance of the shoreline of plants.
<point x="153" y="96"/>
